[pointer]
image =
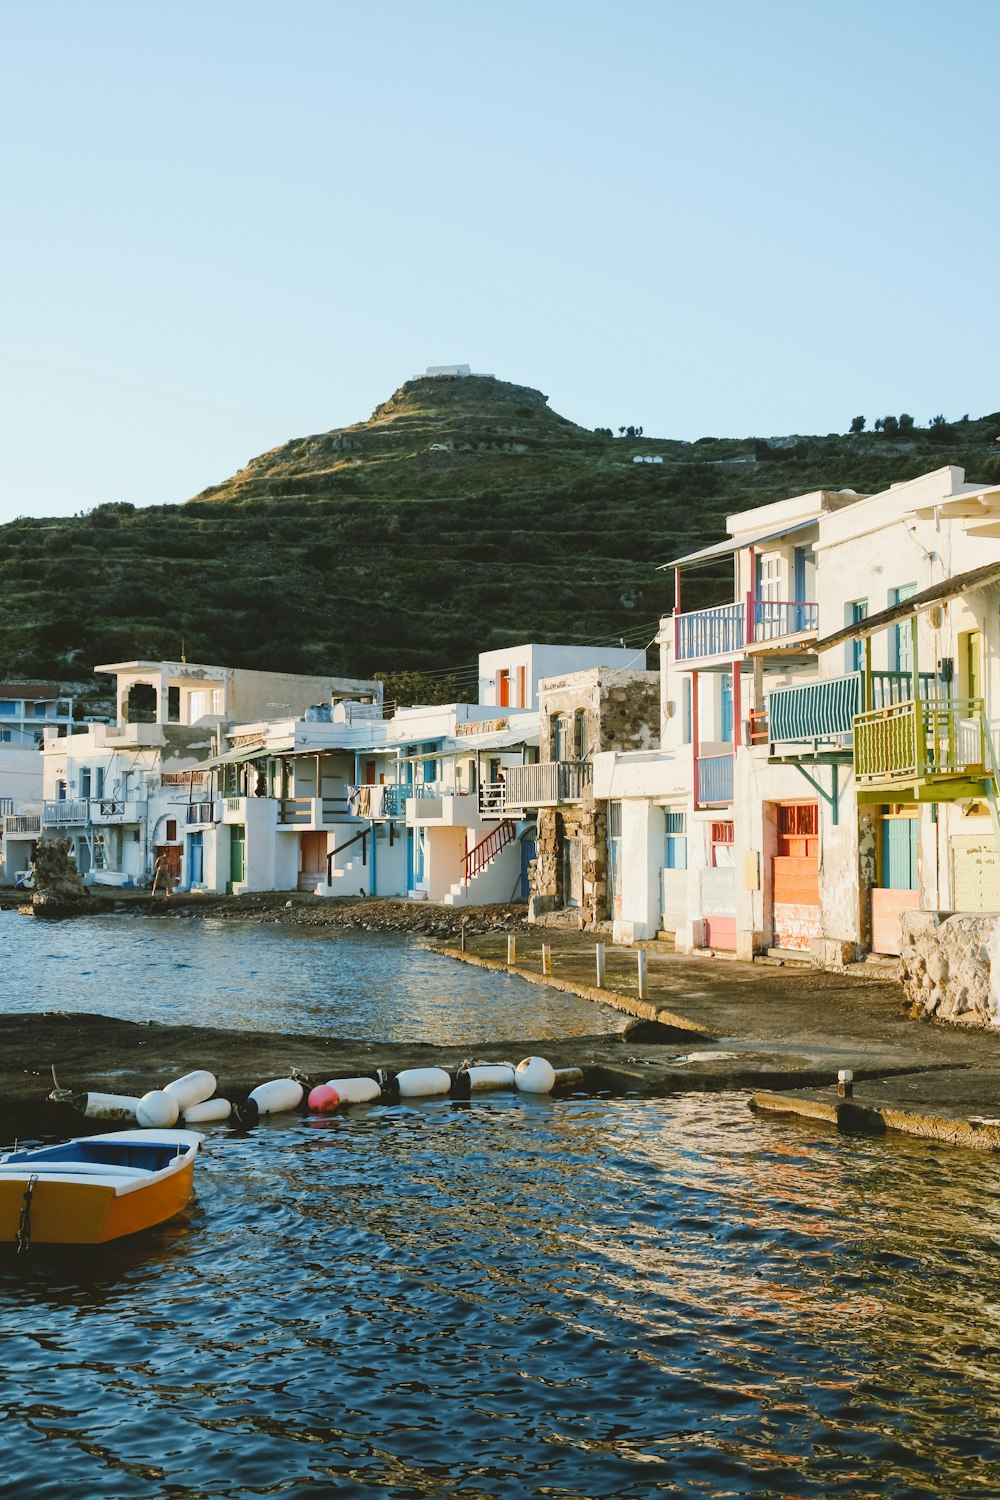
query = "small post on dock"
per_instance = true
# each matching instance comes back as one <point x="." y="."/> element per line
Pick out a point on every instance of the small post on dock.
<point x="599" y="951"/>
<point x="546" y="958"/>
<point x="845" y="1083"/>
<point x="511" y="948"/>
<point x="641" y="962"/>
<point x="462" y="934"/>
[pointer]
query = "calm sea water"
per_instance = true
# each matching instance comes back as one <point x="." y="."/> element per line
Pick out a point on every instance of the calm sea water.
<point x="263" y="976"/>
<point x="509" y="1297"/>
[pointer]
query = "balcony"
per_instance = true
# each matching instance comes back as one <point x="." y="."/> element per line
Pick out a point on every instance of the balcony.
<point x="65" y="812"/>
<point x="548" y="785"/>
<point x="726" y="631"/>
<point x="112" y="810"/>
<point x="313" y="812"/>
<point x="820" y="714"/>
<point x="934" y="750"/>
<point x="21" y="823"/>
<point x="714" y="780"/>
<point x="448" y="808"/>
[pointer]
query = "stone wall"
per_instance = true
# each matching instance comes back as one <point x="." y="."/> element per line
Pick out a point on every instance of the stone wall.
<point x="588" y="823"/>
<point x="951" y="966"/>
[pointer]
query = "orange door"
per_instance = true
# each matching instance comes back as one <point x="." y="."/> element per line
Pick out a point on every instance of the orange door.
<point x="795" y="876"/>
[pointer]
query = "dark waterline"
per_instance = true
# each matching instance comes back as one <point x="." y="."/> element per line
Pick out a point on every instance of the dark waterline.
<point x="255" y="976"/>
<point x="570" y="1298"/>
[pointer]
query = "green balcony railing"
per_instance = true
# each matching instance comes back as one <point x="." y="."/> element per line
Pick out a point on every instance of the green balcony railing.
<point x="912" y="741"/>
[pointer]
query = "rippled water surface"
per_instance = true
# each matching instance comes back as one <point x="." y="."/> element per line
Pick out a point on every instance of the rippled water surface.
<point x="513" y="1297"/>
<point x="262" y="976"/>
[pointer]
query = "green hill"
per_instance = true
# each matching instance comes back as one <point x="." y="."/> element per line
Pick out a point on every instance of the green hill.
<point x="462" y="516"/>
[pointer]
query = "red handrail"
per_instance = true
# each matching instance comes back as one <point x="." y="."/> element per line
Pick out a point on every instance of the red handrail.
<point x="486" y="851"/>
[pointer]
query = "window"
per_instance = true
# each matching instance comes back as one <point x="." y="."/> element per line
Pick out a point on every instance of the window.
<point x="854" y="613"/>
<point x="900" y="643"/>
<point x="40" y="710"/>
<point x="171" y="830"/>
<point x="769" y="578"/>
<point x="5" y="735"/>
<point x="559" y="730"/>
<point x="8" y="708"/>
<point x="85" y="779"/>
<point x="173" y="705"/>
<point x="99" y="782"/>
<point x="677" y="845"/>
<point x="723" y="852"/>
<point x="580" y="734"/>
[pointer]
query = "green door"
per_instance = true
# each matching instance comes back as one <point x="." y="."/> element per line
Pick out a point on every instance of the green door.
<point x="899" y="854"/>
<point x="237" y="854"/>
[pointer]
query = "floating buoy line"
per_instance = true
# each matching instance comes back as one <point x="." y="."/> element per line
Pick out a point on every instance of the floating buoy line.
<point x="192" y="1099"/>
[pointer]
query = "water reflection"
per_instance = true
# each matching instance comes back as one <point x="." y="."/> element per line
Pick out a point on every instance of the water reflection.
<point x="258" y="976"/>
<point x="507" y="1298"/>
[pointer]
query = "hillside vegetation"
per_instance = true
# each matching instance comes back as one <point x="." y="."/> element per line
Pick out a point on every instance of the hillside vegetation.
<point x="464" y="515"/>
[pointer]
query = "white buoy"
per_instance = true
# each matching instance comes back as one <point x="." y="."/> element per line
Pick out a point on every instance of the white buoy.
<point x="355" y="1090"/>
<point x="535" y="1075"/>
<point x="420" y="1083"/>
<point x="106" y="1106"/>
<point x="276" y="1097"/>
<point x="193" y="1088"/>
<point x="485" y="1076"/>
<point x="206" y="1110"/>
<point x="157" y="1110"/>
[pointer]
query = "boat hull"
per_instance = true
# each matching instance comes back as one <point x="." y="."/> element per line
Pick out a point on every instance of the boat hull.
<point x="72" y="1210"/>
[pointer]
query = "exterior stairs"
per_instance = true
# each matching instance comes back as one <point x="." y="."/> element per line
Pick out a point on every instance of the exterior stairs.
<point x="480" y="858"/>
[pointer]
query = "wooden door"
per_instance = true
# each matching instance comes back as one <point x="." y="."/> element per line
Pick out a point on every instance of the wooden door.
<point x="795" y="912"/>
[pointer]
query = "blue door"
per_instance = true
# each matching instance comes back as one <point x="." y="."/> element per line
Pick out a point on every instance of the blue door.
<point x="196" y="859"/>
<point x="529" y="848"/>
<point x="899" y="854"/>
<point x="900" y="644"/>
<point x="727" y="709"/>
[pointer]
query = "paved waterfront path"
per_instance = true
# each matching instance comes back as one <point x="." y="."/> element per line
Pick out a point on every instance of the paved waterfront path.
<point x="788" y="1031"/>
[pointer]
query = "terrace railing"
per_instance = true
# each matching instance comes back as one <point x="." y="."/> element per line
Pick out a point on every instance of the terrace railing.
<point x="911" y="741"/>
<point x="549" y="784"/>
<point x="715" y="779"/>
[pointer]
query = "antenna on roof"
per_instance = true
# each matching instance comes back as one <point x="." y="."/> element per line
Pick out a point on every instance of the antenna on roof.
<point x="183" y="650"/>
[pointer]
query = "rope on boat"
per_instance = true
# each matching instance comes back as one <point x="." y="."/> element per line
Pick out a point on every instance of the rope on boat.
<point x="23" y="1240"/>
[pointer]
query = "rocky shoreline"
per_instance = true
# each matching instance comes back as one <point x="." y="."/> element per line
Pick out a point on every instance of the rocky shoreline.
<point x="357" y="913"/>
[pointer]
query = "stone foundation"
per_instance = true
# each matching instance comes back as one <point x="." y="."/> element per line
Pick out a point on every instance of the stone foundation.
<point x="951" y="966"/>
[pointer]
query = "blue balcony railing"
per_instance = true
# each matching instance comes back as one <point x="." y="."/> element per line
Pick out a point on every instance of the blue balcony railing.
<point x="710" y="632"/>
<point x="821" y="711"/>
<point x="715" y="779"/>
<point x="727" y="629"/>
<point x="774" y="618"/>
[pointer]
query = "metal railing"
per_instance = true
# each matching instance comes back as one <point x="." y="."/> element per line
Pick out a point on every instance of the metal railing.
<point x="486" y="851"/>
<point x="820" y="711"/>
<point x="548" y="784"/>
<point x="715" y="778"/>
<point x="910" y="741"/>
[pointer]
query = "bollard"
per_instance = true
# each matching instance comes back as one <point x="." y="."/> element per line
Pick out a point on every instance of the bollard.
<point x="546" y="958"/>
<point x="641" y="958"/>
<point x="599" y="950"/>
<point x="463" y="937"/>
<point x="511" y="948"/>
<point x="845" y="1083"/>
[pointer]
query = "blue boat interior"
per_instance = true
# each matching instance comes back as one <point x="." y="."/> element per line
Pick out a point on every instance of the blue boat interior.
<point x="150" y="1156"/>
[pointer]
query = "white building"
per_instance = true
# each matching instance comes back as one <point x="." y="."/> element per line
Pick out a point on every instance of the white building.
<point x="810" y="788"/>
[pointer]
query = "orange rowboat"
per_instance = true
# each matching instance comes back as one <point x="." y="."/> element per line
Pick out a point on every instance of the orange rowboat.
<point x="96" y="1187"/>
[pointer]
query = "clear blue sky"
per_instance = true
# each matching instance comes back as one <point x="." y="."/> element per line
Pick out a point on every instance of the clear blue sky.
<point x="229" y="223"/>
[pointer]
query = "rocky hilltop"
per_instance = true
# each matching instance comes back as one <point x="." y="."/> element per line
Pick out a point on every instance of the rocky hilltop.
<point x="462" y="515"/>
